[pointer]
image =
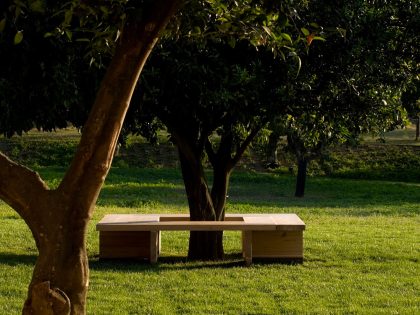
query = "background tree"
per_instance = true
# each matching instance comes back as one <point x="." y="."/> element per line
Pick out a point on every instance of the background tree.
<point x="219" y="77"/>
<point x="411" y="101"/>
<point x="58" y="218"/>
<point x="351" y="83"/>
<point x="214" y="100"/>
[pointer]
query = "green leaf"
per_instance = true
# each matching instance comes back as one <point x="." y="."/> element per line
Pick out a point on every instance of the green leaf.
<point x="341" y="31"/>
<point x="232" y="42"/>
<point x="37" y="6"/>
<point x="305" y="31"/>
<point x="196" y="30"/>
<point x="2" y="25"/>
<point x="299" y="65"/>
<point x="67" y="17"/>
<point x="18" y="38"/>
<point x="319" y="38"/>
<point x="315" y="25"/>
<point x="224" y="27"/>
<point x="267" y="30"/>
<point x="298" y="60"/>
<point x="69" y="34"/>
<point x="286" y="37"/>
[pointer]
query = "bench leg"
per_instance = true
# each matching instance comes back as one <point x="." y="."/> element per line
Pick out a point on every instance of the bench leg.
<point x="154" y="246"/>
<point x="247" y="247"/>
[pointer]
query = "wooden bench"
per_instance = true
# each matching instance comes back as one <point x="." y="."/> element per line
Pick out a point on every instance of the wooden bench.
<point x="263" y="235"/>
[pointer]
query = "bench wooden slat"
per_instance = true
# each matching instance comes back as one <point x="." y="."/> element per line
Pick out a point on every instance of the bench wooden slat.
<point x="184" y="226"/>
<point x="140" y="222"/>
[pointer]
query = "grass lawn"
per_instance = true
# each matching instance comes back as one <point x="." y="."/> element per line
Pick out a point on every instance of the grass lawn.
<point x="361" y="250"/>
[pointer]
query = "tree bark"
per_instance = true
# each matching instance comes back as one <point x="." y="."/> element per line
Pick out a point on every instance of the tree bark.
<point x="272" y="150"/>
<point x="205" y="205"/>
<point x="58" y="218"/>
<point x="301" y="177"/>
<point x="202" y="245"/>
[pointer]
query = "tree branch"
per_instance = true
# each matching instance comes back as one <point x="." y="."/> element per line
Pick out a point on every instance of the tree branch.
<point x="93" y="158"/>
<point x="241" y="149"/>
<point x="19" y="186"/>
<point x="210" y="152"/>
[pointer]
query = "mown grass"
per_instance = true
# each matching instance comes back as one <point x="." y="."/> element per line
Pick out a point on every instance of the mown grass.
<point x="361" y="250"/>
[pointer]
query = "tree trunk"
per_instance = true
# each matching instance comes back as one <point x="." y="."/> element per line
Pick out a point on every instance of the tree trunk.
<point x="272" y="150"/>
<point x="301" y="177"/>
<point x="58" y="218"/>
<point x="202" y="245"/>
<point x="61" y="275"/>
<point x="219" y="190"/>
<point x="418" y="128"/>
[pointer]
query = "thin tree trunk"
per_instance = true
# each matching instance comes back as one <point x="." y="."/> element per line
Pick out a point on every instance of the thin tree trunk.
<point x="58" y="218"/>
<point x="272" y="150"/>
<point x="219" y="190"/>
<point x="301" y="177"/>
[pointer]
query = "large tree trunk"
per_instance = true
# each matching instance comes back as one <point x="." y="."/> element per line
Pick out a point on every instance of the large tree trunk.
<point x="58" y="218"/>
<point x="301" y="177"/>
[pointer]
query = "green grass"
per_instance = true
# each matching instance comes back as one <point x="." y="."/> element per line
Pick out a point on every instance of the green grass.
<point x="404" y="136"/>
<point x="361" y="250"/>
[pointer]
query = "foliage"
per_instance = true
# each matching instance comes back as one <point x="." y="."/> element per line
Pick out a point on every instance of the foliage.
<point x="44" y="83"/>
<point x="351" y="83"/>
<point x="411" y="97"/>
<point x="347" y="88"/>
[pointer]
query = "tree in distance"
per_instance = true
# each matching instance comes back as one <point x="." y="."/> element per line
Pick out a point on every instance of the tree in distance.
<point x="350" y="84"/>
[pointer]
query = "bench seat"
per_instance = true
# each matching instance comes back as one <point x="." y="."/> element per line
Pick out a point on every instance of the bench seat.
<point x="263" y="235"/>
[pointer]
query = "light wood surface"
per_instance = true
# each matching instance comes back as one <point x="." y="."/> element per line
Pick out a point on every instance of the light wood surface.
<point x="263" y="235"/>
<point x="135" y="222"/>
<point x="277" y="244"/>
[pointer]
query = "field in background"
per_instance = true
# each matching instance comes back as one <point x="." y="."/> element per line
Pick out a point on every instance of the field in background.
<point x="397" y="159"/>
<point x="404" y="136"/>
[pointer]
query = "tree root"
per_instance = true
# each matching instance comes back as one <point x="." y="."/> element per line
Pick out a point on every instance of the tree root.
<point x="47" y="301"/>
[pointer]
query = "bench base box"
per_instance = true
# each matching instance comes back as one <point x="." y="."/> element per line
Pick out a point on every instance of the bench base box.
<point x="129" y="244"/>
<point x="275" y="244"/>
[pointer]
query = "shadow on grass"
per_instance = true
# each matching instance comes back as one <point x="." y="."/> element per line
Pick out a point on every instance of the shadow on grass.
<point x="15" y="259"/>
<point x="364" y="198"/>
<point x="136" y="188"/>
<point x="174" y="263"/>
<point x="165" y="264"/>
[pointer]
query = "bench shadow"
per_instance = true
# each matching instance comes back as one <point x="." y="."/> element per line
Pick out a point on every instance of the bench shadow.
<point x="171" y="263"/>
<point x="165" y="263"/>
